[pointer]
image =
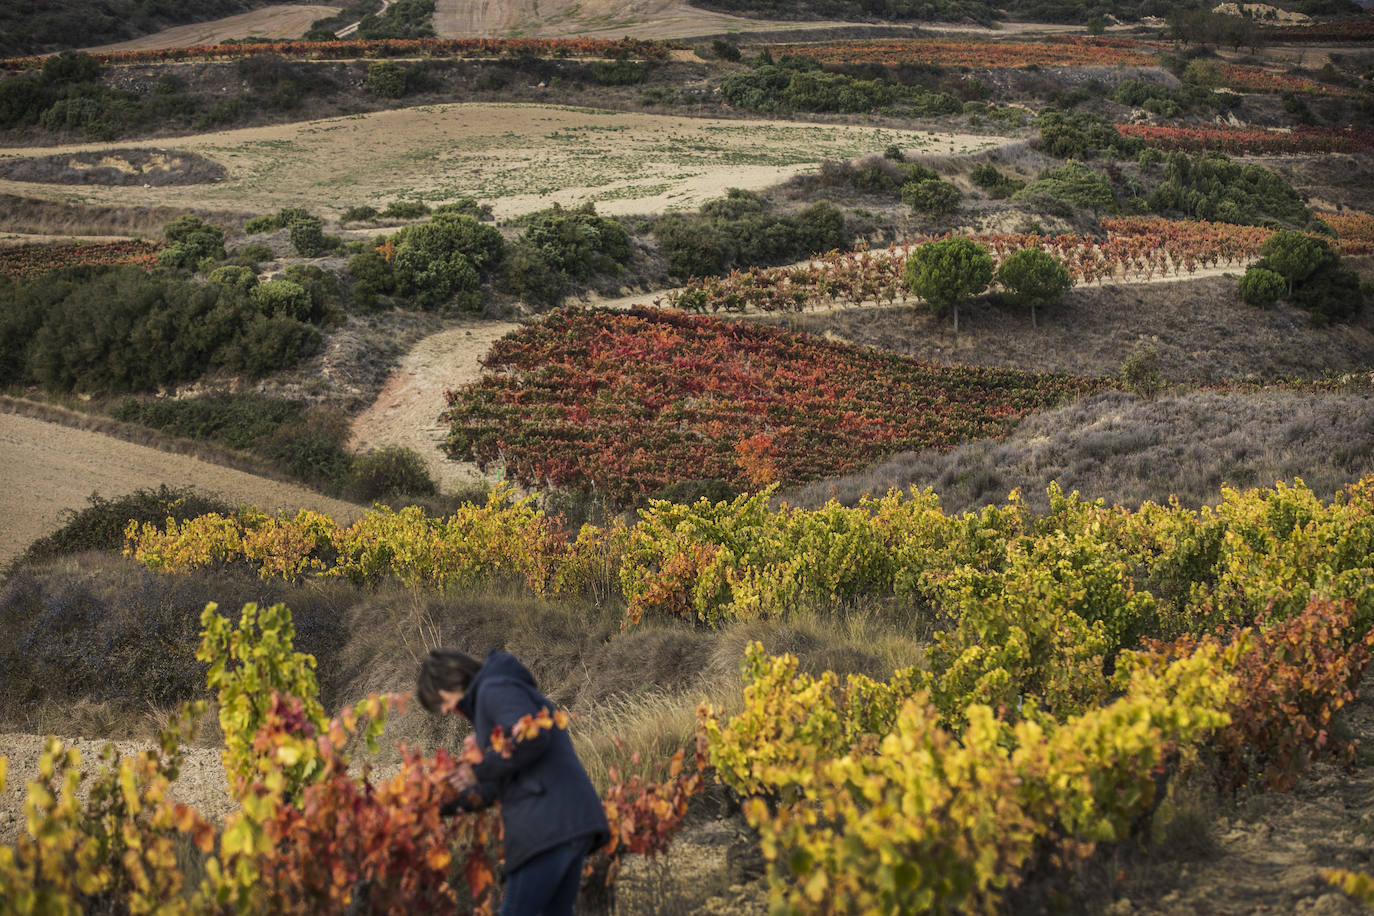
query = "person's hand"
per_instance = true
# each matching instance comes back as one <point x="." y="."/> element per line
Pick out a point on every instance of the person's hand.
<point x="472" y="754"/>
<point x="464" y="778"/>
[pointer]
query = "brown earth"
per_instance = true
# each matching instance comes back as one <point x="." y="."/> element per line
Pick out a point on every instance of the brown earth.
<point x="51" y="469"/>
<point x="286" y="21"/>
<point x="518" y="157"/>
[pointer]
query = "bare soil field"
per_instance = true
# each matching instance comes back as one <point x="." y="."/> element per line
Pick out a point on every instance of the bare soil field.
<point x="285" y="21"/>
<point x="594" y="18"/>
<point x="51" y="468"/>
<point x="519" y="157"/>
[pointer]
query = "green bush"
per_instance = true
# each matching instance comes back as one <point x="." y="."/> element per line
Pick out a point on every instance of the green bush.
<point x="1331" y="293"/>
<point x="307" y="236"/>
<point x="282" y="298"/>
<point x="387" y="79"/>
<point x="1140" y="371"/>
<point x="312" y="450"/>
<point x="390" y="472"/>
<point x="725" y="50"/>
<point x="256" y="252"/>
<point x="100" y="526"/>
<point x="442" y="261"/>
<point x="740" y="229"/>
<point x="238" y="421"/>
<point x="931" y="196"/>
<point x="190" y="240"/>
<point x="1075" y="183"/>
<point x="986" y="176"/>
<point x="1261" y="286"/>
<point x="1076" y="135"/>
<point x="403" y="19"/>
<point x="358" y="214"/>
<point x="1294" y="256"/>
<point x="1212" y="187"/>
<point x="799" y="85"/>
<point x="1032" y="277"/>
<point x="241" y="278"/>
<point x="123" y="329"/>
<point x="467" y="206"/>
<point x="406" y="209"/>
<point x="620" y="72"/>
<point x="947" y="272"/>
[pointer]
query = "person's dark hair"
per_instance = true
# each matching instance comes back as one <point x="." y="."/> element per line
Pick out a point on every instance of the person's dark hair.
<point x="443" y="669"/>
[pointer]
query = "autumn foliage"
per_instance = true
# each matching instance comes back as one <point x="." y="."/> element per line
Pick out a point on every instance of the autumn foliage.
<point x="626" y="403"/>
<point x="30" y="261"/>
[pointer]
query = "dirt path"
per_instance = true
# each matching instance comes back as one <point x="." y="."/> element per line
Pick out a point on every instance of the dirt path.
<point x="49" y="469"/>
<point x="407" y="410"/>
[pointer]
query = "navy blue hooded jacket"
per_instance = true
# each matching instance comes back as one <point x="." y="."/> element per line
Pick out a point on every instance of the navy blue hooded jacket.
<point x="546" y="796"/>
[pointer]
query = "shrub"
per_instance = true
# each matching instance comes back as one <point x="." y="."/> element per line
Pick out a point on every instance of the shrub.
<point x="322" y="287"/>
<point x="725" y="50"/>
<point x="946" y="272"/>
<point x="190" y="240"/>
<point x="986" y="176"/>
<point x="241" y="278"/>
<point x="387" y="79"/>
<point x="1075" y="183"/>
<point x="1261" y="286"/>
<point x="931" y="196"/>
<point x="739" y="229"/>
<point x="124" y="329"/>
<point x="1074" y="135"/>
<point x="312" y="450"/>
<point x="1331" y="293"/>
<point x="1210" y="186"/>
<point x="620" y="72"/>
<point x="467" y="206"/>
<point x="1033" y="277"/>
<point x="307" y="236"/>
<point x="1294" y="255"/>
<point x="282" y="298"/>
<point x="100" y="526"/>
<point x="358" y="214"/>
<point x="443" y="260"/>
<point x="406" y="209"/>
<point x="255" y="252"/>
<point x="390" y="472"/>
<point x="235" y="420"/>
<point x="1141" y="373"/>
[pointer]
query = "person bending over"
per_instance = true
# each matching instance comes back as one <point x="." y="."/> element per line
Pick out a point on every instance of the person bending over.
<point x="552" y="814"/>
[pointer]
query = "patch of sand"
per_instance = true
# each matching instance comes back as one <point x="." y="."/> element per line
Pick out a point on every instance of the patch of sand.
<point x="518" y="157"/>
<point x="50" y="469"/>
<point x="288" y="21"/>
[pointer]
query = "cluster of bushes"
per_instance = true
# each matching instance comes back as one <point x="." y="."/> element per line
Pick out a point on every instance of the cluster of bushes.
<point x="741" y="229"/>
<point x="1078" y="135"/>
<point x="560" y="247"/>
<point x="997" y="185"/>
<point x="392" y="80"/>
<point x="1306" y="272"/>
<point x="430" y="265"/>
<point x="68" y="95"/>
<point x="1211" y="186"/>
<point x="919" y="187"/>
<point x="800" y="84"/>
<point x="403" y="19"/>
<point x="1197" y="94"/>
<point x="307" y="230"/>
<point x="124" y="329"/>
<point x="1075" y="184"/>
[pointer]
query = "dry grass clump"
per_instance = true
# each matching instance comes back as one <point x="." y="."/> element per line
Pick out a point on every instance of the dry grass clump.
<point x="1117" y="447"/>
